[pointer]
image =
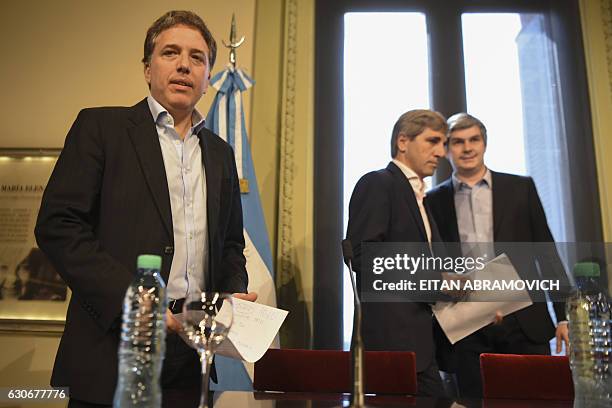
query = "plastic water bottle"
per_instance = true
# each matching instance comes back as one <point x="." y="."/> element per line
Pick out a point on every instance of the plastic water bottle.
<point x="588" y="312"/>
<point x="143" y="337"/>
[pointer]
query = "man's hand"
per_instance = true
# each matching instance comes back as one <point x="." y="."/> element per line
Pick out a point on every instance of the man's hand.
<point x="250" y="297"/>
<point x="172" y="324"/>
<point x="562" y="335"/>
<point x="499" y="317"/>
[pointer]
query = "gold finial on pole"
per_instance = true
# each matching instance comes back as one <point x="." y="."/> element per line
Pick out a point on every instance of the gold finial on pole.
<point x="232" y="42"/>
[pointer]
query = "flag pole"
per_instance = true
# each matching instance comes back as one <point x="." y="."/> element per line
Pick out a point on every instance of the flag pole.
<point x="233" y="44"/>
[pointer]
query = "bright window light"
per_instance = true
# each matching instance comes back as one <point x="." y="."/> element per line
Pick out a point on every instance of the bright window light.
<point x="386" y="73"/>
<point x="493" y="85"/>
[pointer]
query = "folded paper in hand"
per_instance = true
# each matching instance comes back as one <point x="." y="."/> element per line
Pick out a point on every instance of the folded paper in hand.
<point x="253" y="329"/>
<point x="459" y="320"/>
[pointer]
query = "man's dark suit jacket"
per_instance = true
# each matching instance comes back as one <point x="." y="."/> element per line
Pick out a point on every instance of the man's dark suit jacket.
<point x="383" y="208"/>
<point x="518" y="216"/>
<point x="106" y="202"/>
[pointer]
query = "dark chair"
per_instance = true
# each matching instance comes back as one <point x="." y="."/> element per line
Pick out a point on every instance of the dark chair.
<point x="329" y="371"/>
<point x="533" y="377"/>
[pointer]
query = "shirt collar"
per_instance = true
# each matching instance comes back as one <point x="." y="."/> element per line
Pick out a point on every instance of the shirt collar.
<point x="159" y="113"/>
<point x="413" y="178"/>
<point x="486" y="180"/>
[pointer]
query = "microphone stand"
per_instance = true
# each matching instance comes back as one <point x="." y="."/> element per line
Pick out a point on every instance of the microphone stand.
<point x="357" y="395"/>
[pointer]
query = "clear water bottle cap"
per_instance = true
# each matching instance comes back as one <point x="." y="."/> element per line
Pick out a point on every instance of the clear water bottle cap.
<point x="148" y="262"/>
<point x="587" y="269"/>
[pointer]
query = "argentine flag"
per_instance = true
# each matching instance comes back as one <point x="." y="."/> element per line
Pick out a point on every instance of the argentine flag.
<point x="226" y="119"/>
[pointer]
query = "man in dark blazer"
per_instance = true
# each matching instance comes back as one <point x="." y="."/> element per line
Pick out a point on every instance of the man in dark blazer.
<point x="387" y="206"/>
<point x="477" y="205"/>
<point x="111" y="198"/>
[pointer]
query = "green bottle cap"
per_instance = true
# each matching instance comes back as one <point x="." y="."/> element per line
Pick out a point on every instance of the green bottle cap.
<point x="587" y="269"/>
<point x="148" y="262"/>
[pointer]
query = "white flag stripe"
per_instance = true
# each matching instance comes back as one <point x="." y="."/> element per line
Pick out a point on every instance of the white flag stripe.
<point x="218" y="83"/>
<point x="238" y="133"/>
<point x="223" y="118"/>
<point x="228" y="106"/>
<point x="260" y="279"/>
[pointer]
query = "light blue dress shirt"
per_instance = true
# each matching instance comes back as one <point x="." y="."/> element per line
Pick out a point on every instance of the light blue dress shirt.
<point x="187" y="187"/>
<point x="474" y="208"/>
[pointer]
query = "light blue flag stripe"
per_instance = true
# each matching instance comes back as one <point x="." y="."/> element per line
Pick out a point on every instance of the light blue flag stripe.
<point x="230" y="84"/>
<point x="254" y="221"/>
<point x="227" y="82"/>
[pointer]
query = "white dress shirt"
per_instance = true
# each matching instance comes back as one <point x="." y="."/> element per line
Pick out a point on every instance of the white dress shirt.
<point x="418" y="186"/>
<point x="187" y="187"/>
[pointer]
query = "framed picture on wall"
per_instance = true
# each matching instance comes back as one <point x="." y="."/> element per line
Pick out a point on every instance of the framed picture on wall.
<point x="31" y="291"/>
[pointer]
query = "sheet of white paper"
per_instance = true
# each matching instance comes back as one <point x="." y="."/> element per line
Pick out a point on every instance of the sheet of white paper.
<point x="459" y="320"/>
<point x="253" y="329"/>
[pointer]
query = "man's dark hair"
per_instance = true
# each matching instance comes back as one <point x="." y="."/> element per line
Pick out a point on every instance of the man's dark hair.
<point x="413" y="123"/>
<point x="462" y="120"/>
<point x="174" y="18"/>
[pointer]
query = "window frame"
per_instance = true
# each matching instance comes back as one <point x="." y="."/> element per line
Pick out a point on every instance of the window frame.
<point x="447" y="96"/>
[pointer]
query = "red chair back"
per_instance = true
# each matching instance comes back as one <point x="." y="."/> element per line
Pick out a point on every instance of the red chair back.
<point x="293" y="370"/>
<point x="526" y="377"/>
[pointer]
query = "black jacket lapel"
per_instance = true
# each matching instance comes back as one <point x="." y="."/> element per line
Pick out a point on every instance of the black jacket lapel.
<point x="449" y="197"/>
<point x="499" y="187"/>
<point x="146" y="143"/>
<point x="435" y="232"/>
<point x="407" y="192"/>
<point x="211" y="155"/>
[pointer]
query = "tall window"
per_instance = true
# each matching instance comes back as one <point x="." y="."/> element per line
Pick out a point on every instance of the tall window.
<point x="493" y="85"/>
<point x="381" y="81"/>
<point x="517" y="65"/>
<point x="512" y="85"/>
